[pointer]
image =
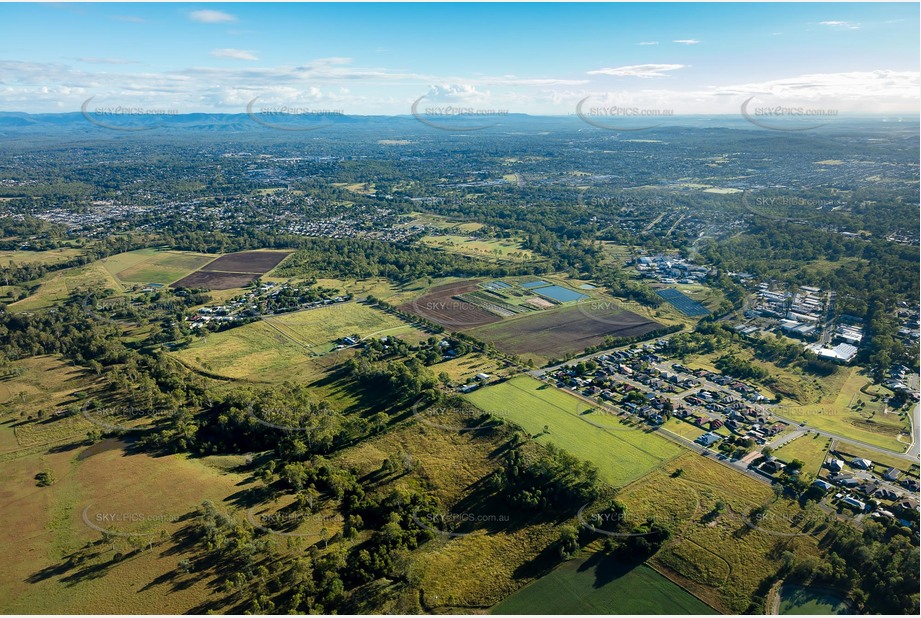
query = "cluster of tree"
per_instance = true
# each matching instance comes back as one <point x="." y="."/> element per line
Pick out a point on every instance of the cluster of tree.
<point x="629" y="536"/>
<point x="364" y="258"/>
<point x="546" y="480"/>
<point x="878" y="567"/>
<point x="736" y="367"/>
<point x="395" y="381"/>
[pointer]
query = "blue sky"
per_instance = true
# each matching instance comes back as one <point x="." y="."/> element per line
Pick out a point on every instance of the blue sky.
<point x="536" y="58"/>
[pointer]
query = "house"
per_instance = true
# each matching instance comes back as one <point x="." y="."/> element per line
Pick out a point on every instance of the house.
<point x="466" y="388"/>
<point x="854" y="502"/>
<point x="863" y="464"/>
<point x="847" y="481"/>
<point x="885" y="494"/>
<point x="482" y="376"/>
<point x="708" y="439"/>
<point x="773" y="465"/>
<point x="835" y="465"/>
<point x="349" y="341"/>
<point x="892" y="474"/>
<point x="823" y="485"/>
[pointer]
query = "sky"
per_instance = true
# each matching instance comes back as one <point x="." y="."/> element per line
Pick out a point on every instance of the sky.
<point x="369" y="59"/>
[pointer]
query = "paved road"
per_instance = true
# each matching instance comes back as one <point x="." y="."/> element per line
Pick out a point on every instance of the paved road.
<point x="914" y="451"/>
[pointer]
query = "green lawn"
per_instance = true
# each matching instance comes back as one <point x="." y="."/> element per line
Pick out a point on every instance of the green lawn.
<point x="621" y="452"/>
<point x="810" y="449"/>
<point x="601" y="585"/>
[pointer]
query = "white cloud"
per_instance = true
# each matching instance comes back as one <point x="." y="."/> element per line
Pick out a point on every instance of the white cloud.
<point x="235" y="54"/>
<point x="336" y="83"/>
<point x="841" y="87"/>
<point x="93" y="60"/>
<point x="454" y="92"/>
<point x="686" y="41"/>
<point x="648" y="43"/>
<point x="845" y="25"/>
<point x="639" y="70"/>
<point x="208" y="16"/>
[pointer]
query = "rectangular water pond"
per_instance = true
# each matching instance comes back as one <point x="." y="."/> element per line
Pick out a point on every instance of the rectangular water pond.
<point x="534" y="284"/>
<point x="560" y="294"/>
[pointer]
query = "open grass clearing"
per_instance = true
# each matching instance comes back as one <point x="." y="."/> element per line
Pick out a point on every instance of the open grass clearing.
<point x="842" y="408"/>
<point x="56" y="564"/>
<point x="620" y="452"/>
<point x="715" y="554"/>
<point x="51" y="256"/>
<point x="601" y="585"/>
<point x="809" y="448"/>
<point x="57" y="286"/>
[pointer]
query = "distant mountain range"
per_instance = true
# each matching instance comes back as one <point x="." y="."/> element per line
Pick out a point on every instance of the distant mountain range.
<point x="13" y="123"/>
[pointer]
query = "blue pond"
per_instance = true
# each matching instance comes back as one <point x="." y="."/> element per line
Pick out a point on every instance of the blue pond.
<point x="534" y="284"/>
<point x="560" y="294"/>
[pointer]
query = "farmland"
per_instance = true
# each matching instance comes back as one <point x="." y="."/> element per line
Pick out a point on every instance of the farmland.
<point x="154" y="265"/>
<point x="621" y="452"/>
<point x="537" y="319"/>
<point x="234" y="270"/>
<point x="440" y="305"/>
<point x="295" y="345"/>
<point x="600" y="584"/>
<point x="564" y="330"/>
<point x="253" y="262"/>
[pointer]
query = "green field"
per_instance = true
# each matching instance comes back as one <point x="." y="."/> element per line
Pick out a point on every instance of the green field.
<point x="799" y="600"/>
<point x="600" y="585"/>
<point x="469" y="245"/>
<point x="58" y="286"/>
<point x="53" y="256"/>
<point x="320" y="329"/>
<point x="155" y="265"/>
<point x="809" y="448"/>
<point x="621" y="453"/>
<point x="838" y="410"/>
<point x="292" y="346"/>
<point x="714" y="554"/>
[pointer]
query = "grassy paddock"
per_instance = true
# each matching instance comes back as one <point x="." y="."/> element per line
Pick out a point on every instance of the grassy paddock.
<point x="621" y="453"/>
<point x="57" y="564"/>
<point x="602" y="585"/>
<point x="808" y="448"/>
